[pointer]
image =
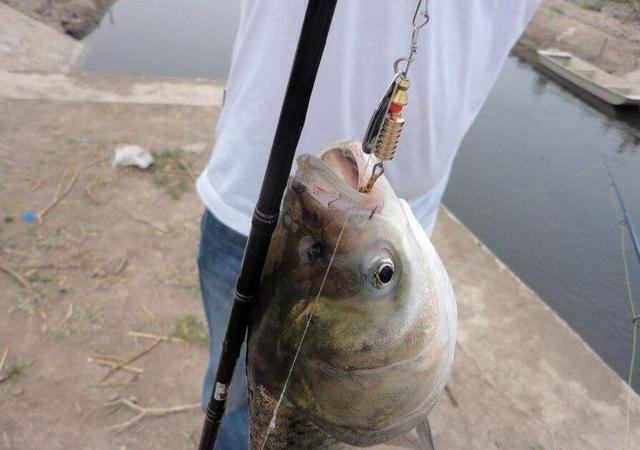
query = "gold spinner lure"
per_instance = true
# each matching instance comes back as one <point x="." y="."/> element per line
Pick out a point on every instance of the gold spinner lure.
<point x="385" y="127"/>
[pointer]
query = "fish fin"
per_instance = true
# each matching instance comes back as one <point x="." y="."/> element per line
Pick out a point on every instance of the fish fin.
<point x="408" y="441"/>
<point x="424" y="435"/>
<point x="423" y="440"/>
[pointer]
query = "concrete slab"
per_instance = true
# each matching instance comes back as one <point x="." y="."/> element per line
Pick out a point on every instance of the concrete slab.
<point x="22" y="49"/>
<point x="111" y="89"/>
<point x="522" y="378"/>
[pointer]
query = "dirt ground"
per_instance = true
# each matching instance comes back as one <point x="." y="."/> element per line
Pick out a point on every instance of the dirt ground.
<point x="95" y="269"/>
<point x="75" y="17"/>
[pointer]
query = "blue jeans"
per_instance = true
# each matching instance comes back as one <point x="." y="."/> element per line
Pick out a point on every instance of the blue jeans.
<point x="219" y="259"/>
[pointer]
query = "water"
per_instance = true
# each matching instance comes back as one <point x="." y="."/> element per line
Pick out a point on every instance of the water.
<point x="182" y="38"/>
<point x="528" y="180"/>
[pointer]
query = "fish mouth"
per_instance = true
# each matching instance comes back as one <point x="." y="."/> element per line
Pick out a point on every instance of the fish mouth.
<point x="331" y="180"/>
<point x="337" y="169"/>
<point x="342" y="160"/>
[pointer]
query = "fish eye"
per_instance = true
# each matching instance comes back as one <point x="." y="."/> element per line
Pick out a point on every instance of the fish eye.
<point x="383" y="272"/>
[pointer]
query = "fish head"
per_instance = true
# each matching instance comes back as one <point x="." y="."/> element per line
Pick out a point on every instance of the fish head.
<point x="360" y="306"/>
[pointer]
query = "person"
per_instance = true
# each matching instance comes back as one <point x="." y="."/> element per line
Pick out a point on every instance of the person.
<point x="460" y="54"/>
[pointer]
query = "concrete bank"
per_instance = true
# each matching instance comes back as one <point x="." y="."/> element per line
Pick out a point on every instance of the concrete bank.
<point x="522" y="379"/>
<point x="76" y="18"/>
<point x="117" y="254"/>
<point x="28" y="45"/>
<point x="609" y="39"/>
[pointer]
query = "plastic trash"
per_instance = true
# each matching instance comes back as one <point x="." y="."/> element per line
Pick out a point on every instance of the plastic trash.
<point x="30" y="216"/>
<point x="131" y="155"/>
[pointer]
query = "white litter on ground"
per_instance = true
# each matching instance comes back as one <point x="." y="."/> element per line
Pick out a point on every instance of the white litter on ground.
<point x="131" y="155"/>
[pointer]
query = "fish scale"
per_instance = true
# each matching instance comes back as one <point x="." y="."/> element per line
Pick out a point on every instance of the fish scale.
<point x="299" y="432"/>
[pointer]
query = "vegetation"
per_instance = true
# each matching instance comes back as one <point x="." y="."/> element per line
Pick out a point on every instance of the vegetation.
<point x="190" y="329"/>
<point x="593" y="5"/>
<point x="34" y="277"/>
<point x="13" y="371"/>
<point x="172" y="174"/>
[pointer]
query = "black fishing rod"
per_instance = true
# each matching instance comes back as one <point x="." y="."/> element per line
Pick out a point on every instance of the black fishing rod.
<point x="313" y="36"/>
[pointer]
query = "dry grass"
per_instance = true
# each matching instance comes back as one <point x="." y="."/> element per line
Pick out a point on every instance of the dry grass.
<point x="172" y="174"/>
<point x="190" y="329"/>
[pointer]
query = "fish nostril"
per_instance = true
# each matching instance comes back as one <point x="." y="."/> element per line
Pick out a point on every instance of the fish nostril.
<point x="315" y="251"/>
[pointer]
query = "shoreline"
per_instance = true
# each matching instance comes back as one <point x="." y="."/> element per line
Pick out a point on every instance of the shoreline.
<point x="605" y="33"/>
<point x="76" y="18"/>
<point x="609" y="39"/>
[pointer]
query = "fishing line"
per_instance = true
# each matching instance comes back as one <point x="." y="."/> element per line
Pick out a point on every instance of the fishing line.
<point x="274" y="416"/>
<point x="623" y="251"/>
<point x="622" y="220"/>
<point x="362" y="176"/>
<point x="272" y="422"/>
<point x="534" y="193"/>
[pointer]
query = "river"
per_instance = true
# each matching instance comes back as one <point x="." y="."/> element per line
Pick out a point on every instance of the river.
<point x="529" y="180"/>
<point x="181" y="38"/>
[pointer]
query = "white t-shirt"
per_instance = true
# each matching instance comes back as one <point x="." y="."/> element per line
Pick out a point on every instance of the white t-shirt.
<point x="460" y="54"/>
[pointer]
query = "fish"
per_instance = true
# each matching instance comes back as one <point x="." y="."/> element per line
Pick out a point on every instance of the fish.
<point x="352" y="337"/>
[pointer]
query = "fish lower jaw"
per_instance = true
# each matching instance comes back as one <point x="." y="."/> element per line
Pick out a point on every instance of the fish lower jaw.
<point x="415" y="359"/>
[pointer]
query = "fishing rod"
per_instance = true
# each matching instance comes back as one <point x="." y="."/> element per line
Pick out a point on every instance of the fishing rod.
<point x="625" y="215"/>
<point x="311" y="43"/>
<point x="635" y="320"/>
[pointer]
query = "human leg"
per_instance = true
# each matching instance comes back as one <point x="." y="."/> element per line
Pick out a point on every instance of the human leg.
<point x="219" y="259"/>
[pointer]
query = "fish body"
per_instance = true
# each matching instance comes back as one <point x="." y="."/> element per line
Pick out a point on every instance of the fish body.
<point x="355" y="327"/>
